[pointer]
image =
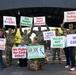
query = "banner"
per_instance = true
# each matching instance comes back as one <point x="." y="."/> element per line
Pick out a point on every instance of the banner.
<point x="48" y="34"/>
<point x="35" y="52"/>
<point x="26" y="21"/>
<point x="58" y="42"/>
<point x="8" y="20"/>
<point x="70" y="16"/>
<point x="71" y="40"/>
<point x="39" y="21"/>
<point x="2" y="43"/>
<point x="18" y="52"/>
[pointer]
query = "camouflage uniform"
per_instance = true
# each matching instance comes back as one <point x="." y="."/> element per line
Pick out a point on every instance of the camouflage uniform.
<point x="39" y="34"/>
<point x="9" y="45"/>
<point x="56" y="50"/>
<point x="26" y="37"/>
<point x="35" y="64"/>
<point x="69" y="31"/>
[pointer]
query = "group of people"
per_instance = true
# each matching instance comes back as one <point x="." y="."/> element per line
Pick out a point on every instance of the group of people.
<point x="38" y="40"/>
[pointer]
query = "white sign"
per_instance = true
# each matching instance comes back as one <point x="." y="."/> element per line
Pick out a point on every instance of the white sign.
<point x="58" y="42"/>
<point x="39" y="21"/>
<point x="70" y="16"/>
<point x="26" y="21"/>
<point x="34" y="52"/>
<point x="18" y="52"/>
<point x="8" y="20"/>
<point x="71" y="40"/>
<point x="2" y="43"/>
<point x="48" y="34"/>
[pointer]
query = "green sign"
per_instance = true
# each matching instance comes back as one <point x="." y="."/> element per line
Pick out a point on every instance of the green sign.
<point x="58" y="42"/>
<point x="34" y="52"/>
<point x="26" y="21"/>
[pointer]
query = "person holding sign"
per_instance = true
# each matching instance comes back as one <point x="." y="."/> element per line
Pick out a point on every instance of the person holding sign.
<point x="70" y="31"/>
<point x="35" y="64"/>
<point x="69" y="53"/>
<point x="56" y="50"/>
<point x="9" y="44"/>
<point x="22" y="61"/>
<point x="25" y="36"/>
<point x="39" y="34"/>
<point x="2" y="65"/>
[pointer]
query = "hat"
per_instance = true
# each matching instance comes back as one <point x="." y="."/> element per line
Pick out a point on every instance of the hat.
<point x="35" y="38"/>
<point x="9" y="29"/>
<point x="1" y="29"/>
<point x="71" y="24"/>
<point x="25" y="30"/>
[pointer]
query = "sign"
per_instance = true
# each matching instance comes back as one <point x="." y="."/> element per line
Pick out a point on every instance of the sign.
<point x="8" y="20"/>
<point x="70" y="16"/>
<point x="48" y="34"/>
<point x="26" y="21"/>
<point x="2" y="43"/>
<point x="71" y="40"/>
<point x="58" y="42"/>
<point x="39" y="21"/>
<point x="34" y="52"/>
<point x="18" y="52"/>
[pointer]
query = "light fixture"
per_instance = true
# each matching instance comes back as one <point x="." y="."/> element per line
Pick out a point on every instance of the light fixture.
<point x="18" y="12"/>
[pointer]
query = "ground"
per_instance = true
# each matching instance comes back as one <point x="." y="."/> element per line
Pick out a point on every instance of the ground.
<point x="49" y="69"/>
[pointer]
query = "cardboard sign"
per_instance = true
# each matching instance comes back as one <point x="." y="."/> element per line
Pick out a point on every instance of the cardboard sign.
<point x="58" y="42"/>
<point x="2" y="43"/>
<point x="71" y="40"/>
<point x="18" y="52"/>
<point x="39" y="21"/>
<point x="70" y="16"/>
<point x="26" y="21"/>
<point x="34" y="52"/>
<point x="8" y="20"/>
<point x="48" y="34"/>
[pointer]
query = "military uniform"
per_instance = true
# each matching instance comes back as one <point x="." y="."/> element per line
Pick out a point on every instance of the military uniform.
<point x="56" y="50"/>
<point x="69" y="31"/>
<point x="9" y="45"/>
<point x="39" y="34"/>
<point x="26" y="37"/>
<point x="35" y="64"/>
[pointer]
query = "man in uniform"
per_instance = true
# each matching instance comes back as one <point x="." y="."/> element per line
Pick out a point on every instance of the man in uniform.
<point x="25" y="36"/>
<point x="56" y="50"/>
<point x="39" y="34"/>
<point x="9" y="44"/>
<point x="35" y="64"/>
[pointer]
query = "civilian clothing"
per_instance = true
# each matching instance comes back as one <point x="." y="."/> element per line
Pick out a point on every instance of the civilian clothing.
<point x="22" y="61"/>
<point x="70" y="56"/>
<point x="1" y="59"/>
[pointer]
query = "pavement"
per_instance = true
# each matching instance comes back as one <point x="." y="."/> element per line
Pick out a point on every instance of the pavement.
<point x="49" y="69"/>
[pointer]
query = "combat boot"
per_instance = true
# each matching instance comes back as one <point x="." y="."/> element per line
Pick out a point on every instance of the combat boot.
<point x="53" y="62"/>
<point x="60" y="62"/>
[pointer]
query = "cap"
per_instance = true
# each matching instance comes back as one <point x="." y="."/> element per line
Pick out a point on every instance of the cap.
<point x="71" y="24"/>
<point x="9" y="29"/>
<point x="1" y="29"/>
<point x="25" y="30"/>
<point x="35" y="38"/>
